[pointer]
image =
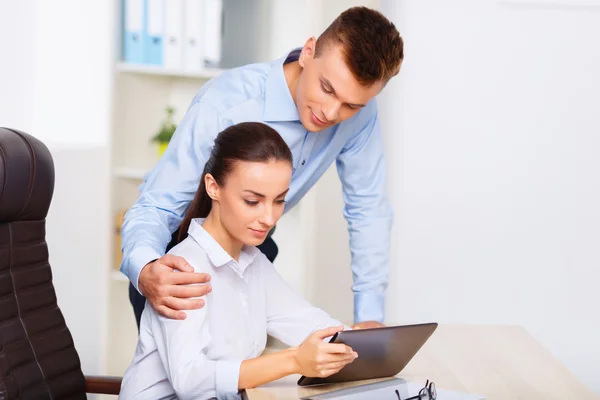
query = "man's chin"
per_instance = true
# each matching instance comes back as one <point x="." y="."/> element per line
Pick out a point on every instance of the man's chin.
<point x="312" y="128"/>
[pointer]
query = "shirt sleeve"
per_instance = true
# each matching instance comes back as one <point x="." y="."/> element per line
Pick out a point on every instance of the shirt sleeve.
<point x="361" y="168"/>
<point x="182" y="346"/>
<point x="168" y="190"/>
<point x="290" y="318"/>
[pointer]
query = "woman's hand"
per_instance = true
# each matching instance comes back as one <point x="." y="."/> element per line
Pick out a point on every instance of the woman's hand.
<point x="315" y="358"/>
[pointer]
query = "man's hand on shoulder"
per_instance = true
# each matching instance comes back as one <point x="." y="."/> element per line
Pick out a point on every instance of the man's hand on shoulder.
<point x="170" y="292"/>
<point x="367" y="325"/>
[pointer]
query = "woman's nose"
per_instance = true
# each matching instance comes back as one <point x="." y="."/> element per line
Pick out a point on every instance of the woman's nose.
<point x="268" y="218"/>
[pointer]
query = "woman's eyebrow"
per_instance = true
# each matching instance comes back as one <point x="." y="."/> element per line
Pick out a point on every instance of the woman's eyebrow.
<point x="262" y="195"/>
<point x="254" y="193"/>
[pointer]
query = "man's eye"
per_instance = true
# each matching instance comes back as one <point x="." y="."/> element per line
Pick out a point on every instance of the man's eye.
<point x="250" y="202"/>
<point x="280" y="201"/>
<point x="325" y="89"/>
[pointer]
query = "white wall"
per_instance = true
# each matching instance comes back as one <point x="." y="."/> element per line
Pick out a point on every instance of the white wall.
<point x="16" y="64"/>
<point x="55" y="75"/>
<point x="492" y="131"/>
<point x="329" y="272"/>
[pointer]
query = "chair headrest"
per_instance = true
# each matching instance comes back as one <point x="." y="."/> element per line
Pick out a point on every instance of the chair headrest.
<point x="26" y="177"/>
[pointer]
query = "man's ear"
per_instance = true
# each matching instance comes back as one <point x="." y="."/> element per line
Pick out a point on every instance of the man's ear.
<point x="212" y="187"/>
<point x="308" y="51"/>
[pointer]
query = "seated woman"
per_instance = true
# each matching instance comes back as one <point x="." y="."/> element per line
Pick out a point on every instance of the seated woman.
<point x="216" y="350"/>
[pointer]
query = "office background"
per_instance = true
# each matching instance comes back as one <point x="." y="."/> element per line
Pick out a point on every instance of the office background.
<point x="491" y="135"/>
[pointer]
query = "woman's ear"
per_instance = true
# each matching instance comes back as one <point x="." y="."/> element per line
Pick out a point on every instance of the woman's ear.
<point x="212" y="187"/>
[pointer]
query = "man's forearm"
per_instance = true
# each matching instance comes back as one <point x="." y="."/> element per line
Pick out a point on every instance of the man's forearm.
<point x="369" y="244"/>
<point x="138" y="258"/>
<point x="144" y="240"/>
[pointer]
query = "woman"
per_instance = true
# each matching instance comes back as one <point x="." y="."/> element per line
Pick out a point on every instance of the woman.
<point x="215" y="351"/>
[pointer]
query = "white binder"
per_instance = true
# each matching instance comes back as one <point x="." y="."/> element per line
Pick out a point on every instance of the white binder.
<point x="133" y="31"/>
<point x="174" y="34"/>
<point x="213" y="19"/>
<point x="193" y="43"/>
<point x="153" y="49"/>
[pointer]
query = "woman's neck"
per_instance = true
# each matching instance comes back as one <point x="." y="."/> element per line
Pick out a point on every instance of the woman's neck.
<point x="212" y="224"/>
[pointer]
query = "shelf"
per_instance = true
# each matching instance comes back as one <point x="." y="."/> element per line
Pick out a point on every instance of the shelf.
<point x="130" y="173"/>
<point x="160" y="71"/>
<point x="118" y="276"/>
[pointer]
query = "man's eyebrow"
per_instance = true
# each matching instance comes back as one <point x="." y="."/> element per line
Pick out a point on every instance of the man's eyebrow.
<point x="262" y="195"/>
<point x="326" y="82"/>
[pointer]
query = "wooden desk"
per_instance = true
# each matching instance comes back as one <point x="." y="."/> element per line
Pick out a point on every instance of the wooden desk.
<point x="500" y="362"/>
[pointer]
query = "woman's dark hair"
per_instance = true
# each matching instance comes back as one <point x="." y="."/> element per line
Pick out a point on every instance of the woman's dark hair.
<point x="246" y="141"/>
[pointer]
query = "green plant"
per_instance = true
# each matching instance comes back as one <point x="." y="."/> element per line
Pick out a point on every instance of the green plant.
<point x="167" y="128"/>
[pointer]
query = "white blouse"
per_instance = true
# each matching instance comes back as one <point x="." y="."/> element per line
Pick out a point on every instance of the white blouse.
<point x="200" y="357"/>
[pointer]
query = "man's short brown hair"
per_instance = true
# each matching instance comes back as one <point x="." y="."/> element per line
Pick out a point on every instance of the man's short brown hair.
<point x="372" y="47"/>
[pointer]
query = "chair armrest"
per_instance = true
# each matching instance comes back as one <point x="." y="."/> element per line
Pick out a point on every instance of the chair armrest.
<point x="103" y="384"/>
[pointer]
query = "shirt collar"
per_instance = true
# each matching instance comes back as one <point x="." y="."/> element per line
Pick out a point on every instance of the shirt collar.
<point x="279" y="103"/>
<point x="217" y="255"/>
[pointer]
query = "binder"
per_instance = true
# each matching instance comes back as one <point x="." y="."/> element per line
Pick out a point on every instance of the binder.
<point x="133" y="31"/>
<point x="213" y="28"/>
<point x="153" y="47"/>
<point x="173" y="35"/>
<point x="193" y="43"/>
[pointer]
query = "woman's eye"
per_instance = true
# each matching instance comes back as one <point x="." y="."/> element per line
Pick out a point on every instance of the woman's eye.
<point x="250" y="202"/>
<point x="280" y="201"/>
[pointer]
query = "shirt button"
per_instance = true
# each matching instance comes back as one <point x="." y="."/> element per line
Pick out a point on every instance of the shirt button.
<point x="303" y="162"/>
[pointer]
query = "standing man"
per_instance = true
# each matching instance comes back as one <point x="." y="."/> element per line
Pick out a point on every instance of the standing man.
<point x="321" y="100"/>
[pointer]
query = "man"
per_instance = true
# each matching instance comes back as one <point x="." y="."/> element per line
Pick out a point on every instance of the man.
<point x="321" y="100"/>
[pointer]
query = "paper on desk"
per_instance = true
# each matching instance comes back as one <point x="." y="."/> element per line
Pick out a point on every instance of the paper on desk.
<point x="393" y="389"/>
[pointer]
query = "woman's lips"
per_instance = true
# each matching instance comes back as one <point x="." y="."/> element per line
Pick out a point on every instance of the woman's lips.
<point x="258" y="233"/>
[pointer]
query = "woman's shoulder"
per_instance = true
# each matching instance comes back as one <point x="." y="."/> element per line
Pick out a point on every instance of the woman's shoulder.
<point x="261" y="260"/>
<point x="195" y="255"/>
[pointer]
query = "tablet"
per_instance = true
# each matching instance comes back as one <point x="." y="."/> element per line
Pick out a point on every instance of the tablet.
<point x="382" y="352"/>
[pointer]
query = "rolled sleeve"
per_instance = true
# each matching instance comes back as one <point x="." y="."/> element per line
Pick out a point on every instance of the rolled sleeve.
<point x="361" y="167"/>
<point x="227" y="377"/>
<point x="138" y="260"/>
<point x="369" y="306"/>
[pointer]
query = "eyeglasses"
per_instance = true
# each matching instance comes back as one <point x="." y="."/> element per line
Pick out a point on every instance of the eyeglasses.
<point x="428" y="392"/>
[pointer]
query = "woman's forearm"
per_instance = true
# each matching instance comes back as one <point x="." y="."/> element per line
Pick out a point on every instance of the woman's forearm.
<point x="267" y="368"/>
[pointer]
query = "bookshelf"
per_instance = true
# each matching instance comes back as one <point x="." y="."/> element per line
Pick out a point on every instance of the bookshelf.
<point x="141" y="95"/>
<point x="254" y="31"/>
<point x="142" y="69"/>
<point x="136" y="174"/>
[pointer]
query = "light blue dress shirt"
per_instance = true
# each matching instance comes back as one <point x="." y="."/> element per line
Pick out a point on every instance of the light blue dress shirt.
<point x="258" y="92"/>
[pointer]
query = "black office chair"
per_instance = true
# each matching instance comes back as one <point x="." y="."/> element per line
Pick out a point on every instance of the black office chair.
<point x="38" y="359"/>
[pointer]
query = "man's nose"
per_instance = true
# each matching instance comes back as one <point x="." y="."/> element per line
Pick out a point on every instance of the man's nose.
<point x="331" y="110"/>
